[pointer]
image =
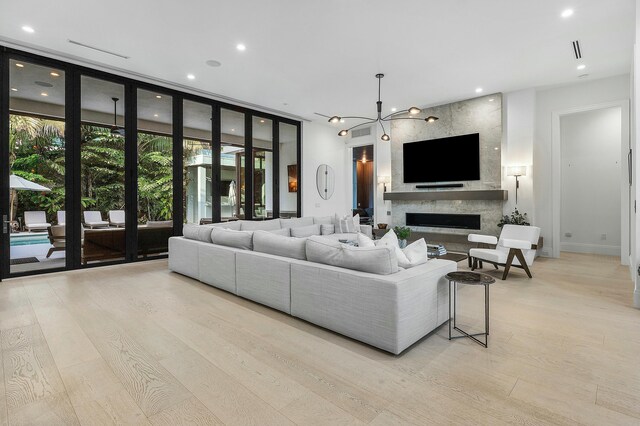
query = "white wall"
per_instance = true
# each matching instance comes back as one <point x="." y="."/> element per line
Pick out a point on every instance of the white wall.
<point x="590" y="180"/>
<point x="519" y="110"/>
<point x="553" y="100"/>
<point x="322" y="145"/>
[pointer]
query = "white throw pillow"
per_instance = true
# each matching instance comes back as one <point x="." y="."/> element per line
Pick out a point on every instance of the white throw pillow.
<point x="347" y="226"/>
<point x="305" y="231"/>
<point x="389" y="239"/>
<point x="364" y="241"/>
<point x="356" y="222"/>
<point x="402" y="258"/>
<point x="231" y="238"/>
<point x="415" y="254"/>
<point x="327" y="229"/>
<point x="268" y="242"/>
<point x="323" y="220"/>
<point x="285" y="232"/>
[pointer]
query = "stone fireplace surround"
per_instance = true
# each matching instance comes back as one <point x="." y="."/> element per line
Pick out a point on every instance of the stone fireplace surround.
<point x="481" y="115"/>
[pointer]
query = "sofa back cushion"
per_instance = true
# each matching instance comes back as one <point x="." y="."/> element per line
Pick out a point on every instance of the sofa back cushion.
<point x="233" y="224"/>
<point x="285" y="232"/>
<point x="305" y="231"/>
<point x="323" y="220"/>
<point x="197" y="232"/>
<point x="270" y="243"/>
<point x="376" y="260"/>
<point x="296" y="222"/>
<point x="262" y="225"/>
<point x="327" y="229"/>
<point x="230" y="238"/>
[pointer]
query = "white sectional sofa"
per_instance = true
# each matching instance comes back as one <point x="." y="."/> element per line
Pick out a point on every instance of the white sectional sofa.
<point x="357" y="292"/>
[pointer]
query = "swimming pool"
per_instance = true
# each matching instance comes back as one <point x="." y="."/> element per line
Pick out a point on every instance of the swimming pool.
<point x="29" y="239"/>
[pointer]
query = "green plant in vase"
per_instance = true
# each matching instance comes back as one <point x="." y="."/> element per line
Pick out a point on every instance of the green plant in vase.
<point x="516" y="218"/>
<point x="402" y="232"/>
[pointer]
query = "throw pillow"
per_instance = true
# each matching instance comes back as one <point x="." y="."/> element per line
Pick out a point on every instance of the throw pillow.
<point x="323" y="220"/>
<point x="416" y="252"/>
<point x="364" y="241"/>
<point x="389" y="239"/>
<point x="402" y="258"/>
<point x="268" y="242"/>
<point x="285" y="232"/>
<point x="305" y="231"/>
<point x="356" y="222"/>
<point x="327" y="229"/>
<point x="230" y="238"/>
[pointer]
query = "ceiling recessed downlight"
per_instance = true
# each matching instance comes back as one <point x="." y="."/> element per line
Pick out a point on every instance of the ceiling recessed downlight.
<point x="44" y="94"/>
<point x="158" y="96"/>
<point x="28" y="29"/>
<point x="241" y="47"/>
<point x="394" y="109"/>
<point x="54" y="74"/>
<point x="191" y="76"/>
<point x="13" y="89"/>
<point x="479" y="90"/>
<point x="155" y="115"/>
<point x="491" y="100"/>
<point x="213" y="63"/>
<point x="19" y="65"/>
<point x="581" y="66"/>
<point x="566" y="13"/>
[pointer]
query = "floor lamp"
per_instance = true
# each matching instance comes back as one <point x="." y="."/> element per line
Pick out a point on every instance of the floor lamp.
<point x="517" y="171"/>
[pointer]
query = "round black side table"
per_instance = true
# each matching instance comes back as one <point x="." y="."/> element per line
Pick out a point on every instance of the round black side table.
<point x="469" y="278"/>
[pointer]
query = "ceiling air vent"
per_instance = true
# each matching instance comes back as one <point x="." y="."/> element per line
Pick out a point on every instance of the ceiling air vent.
<point x="108" y="52"/>
<point x="576" y="49"/>
<point x="358" y="133"/>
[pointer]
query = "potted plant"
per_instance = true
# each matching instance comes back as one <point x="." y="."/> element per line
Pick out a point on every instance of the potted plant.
<point x="402" y="232"/>
<point x="516" y="218"/>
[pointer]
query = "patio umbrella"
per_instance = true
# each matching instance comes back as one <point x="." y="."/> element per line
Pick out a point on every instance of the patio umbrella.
<point x="17" y="183"/>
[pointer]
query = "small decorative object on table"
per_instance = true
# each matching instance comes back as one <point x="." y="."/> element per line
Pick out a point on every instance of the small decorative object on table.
<point x="516" y="218"/>
<point x="382" y="226"/>
<point x="402" y="232"/>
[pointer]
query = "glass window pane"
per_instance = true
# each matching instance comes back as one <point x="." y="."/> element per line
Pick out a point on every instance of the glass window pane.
<point x="196" y="147"/>
<point x="37" y="166"/>
<point x="232" y="160"/>
<point x="262" y="167"/>
<point x="102" y="170"/>
<point x="155" y="172"/>
<point x="288" y="165"/>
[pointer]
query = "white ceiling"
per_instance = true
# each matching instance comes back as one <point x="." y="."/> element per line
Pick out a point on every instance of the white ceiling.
<point x="304" y="57"/>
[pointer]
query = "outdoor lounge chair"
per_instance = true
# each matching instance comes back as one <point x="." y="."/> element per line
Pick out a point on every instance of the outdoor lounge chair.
<point x="62" y="220"/>
<point x="117" y="218"/>
<point x="34" y="221"/>
<point x="57" y="238"/>
<point x="93" y="219"/>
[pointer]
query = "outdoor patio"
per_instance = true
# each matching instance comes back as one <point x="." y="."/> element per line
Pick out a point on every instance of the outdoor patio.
<point x="32" y="248"/>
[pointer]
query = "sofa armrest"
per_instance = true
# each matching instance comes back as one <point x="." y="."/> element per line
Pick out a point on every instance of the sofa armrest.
<point x="484" y="239"/>
<point x="367" y="230"/>
<point x="516" y="244"/>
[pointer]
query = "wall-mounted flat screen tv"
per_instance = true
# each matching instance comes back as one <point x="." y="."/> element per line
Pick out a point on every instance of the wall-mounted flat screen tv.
<point x="456" y="158"/>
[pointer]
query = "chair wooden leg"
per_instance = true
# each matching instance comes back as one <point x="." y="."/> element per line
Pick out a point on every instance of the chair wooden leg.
<point x="469" y="260"/>
<point x="507" y="265"/>
<point x="50" y="252"/>
<point x="480" y="263"/>
<point x="475" y="264"/>
<point x="523" y="262"/>
<point x="495" y="266"/>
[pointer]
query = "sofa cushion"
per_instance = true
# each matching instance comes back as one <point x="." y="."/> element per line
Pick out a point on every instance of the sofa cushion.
<point x="376" y="260"/>
<point x="267" y="242"/>
<point x="285" y="232"/>
<point x="262" y="225"/>
<point x="327" y="229"/>
<point x="296" y="222"/>
<point x="230" y="238"/>
<point x="305" y="231"/>
<point x="233" y="224"/>
<point x="364" y="241"/>
<point x="323" y="220"/>
<point x="197" y="232"/>
<point x="415" y="253"/>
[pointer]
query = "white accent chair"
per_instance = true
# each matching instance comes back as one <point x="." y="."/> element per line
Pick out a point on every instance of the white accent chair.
<point x="516" y="241"/>
<point x="117" y="218"/>
<point x="93" y="219"/>
<point x="36" y="221"/>
<point x="62" y="217"/>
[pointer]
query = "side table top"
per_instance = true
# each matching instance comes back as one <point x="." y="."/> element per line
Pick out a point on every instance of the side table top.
<point x="470" y="278"/>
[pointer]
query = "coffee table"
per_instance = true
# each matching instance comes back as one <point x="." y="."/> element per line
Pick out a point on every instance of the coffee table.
<point x="453" y="256"/>
<point x="469" y="278"/>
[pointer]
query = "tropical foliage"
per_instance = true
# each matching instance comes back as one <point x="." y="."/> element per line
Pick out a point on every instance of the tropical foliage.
<point x="37" y="153"/>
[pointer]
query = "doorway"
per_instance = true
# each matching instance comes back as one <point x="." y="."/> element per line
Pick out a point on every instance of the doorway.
<point x="593" y="186"/>
<point x="363" y="184"/>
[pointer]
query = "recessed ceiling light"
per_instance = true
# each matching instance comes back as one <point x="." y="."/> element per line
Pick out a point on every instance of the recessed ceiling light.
<point x="241" y="47"/>
<point x="213" y="63"/>
<point x="28" y="29"/>
<point x="581" y="66"/>
<point x="155" y="115"/>
<point x="233" y="130"/>
<point x="158" y="96"/>
<point x="191" y="76"/>
<point x="262" y="121"/>
<point x="54" y="74"/>
<point x="19" y="65"/>
<point x="496" y="148"/>
<point x="13" y="89"/>
<point x="479" y="90"/>
<point x="491" y="100"/>
<point x="394" y="109"/>
<point x="342" y="120"/>
<point x="44" y="94"/>
<point x="566" y="13"/>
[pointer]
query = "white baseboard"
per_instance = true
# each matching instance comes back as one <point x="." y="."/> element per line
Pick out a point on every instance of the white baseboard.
<point x="590" y="248"/>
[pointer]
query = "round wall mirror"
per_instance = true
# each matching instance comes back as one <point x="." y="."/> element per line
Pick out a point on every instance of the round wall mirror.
<point x="325" y="181"/>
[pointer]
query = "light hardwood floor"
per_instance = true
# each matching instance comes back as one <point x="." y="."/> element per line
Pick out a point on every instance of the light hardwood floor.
<point x="136" y="344"/>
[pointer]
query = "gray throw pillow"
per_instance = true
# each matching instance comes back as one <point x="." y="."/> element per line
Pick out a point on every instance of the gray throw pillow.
<point x="230" y="238"/>
<point x="376" y="260"/>
<point x="296" y="222"/>
<point x="285" y="232"/>
<point x="197" y="232"/>
<point x="327" y="229"/>
<point x="268" y="242"/>
<point x="262" y="225"/>
<point x="305" y="231"/>
<point x="323" y="220"/>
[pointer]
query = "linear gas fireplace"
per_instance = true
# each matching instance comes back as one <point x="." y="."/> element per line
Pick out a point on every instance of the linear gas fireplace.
<point x="444" y="220"/>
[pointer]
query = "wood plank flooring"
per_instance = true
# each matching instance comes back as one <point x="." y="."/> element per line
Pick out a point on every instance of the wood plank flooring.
<point x="136" y="344"/>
